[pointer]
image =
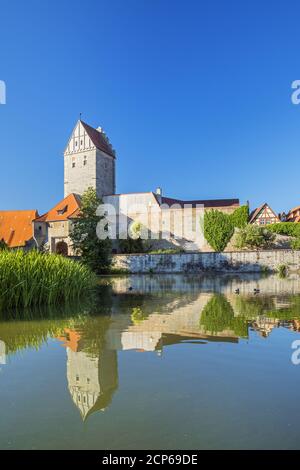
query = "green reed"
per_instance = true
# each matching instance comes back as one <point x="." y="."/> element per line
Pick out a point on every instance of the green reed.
<point x="33" y="279"/>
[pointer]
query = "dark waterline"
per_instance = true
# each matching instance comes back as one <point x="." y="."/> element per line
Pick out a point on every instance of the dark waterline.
<point x="156" y="362"/>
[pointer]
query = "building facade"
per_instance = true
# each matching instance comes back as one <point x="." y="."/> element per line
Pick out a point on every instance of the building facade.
<point x="166" y="223"/>
<point x="52" y="229"/>
<point x="293" y="215"/>
<point x="263" y="215"/>
<point x="89" y="161"/>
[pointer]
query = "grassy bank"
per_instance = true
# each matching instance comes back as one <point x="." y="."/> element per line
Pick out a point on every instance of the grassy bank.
<point x="32" y="279"/>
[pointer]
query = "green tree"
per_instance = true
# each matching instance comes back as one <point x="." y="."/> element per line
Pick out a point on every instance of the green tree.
<point x="217" y="314"/>
<point x="254" y="237"/>
<point x="218" y="229"/>
<point x="94" y="252"/>
<point x="240" y="216"/>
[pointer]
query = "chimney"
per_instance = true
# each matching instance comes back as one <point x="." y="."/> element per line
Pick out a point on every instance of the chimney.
<point x="158" y="194"/>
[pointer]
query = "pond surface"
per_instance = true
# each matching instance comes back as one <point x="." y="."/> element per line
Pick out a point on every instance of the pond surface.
<point x="156" y="362"/>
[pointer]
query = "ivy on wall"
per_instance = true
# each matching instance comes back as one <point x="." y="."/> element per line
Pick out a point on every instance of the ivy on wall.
<point x="218" y="229"/>
<point x="240" y="216"/>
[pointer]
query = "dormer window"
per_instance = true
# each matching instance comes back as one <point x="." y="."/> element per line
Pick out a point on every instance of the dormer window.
<point x="62" y="210"/>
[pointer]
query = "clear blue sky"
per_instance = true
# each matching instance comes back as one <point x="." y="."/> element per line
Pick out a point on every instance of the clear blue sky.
<point x="194" y="96"/>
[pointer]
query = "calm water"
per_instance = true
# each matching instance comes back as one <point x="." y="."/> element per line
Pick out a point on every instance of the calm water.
<point x="156" y="362"/>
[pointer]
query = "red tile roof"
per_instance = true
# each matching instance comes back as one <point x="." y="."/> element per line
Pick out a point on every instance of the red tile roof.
<point x="99" y="139"/>
<point x="66" y="209"/>
<point x="292" y="215"/>
<point x="16" y="227"/>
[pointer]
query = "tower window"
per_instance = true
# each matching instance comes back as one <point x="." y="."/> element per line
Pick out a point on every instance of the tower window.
<point x="84" y="161"/>
<point x="81" y="142"/>
<point x="76" y="143"/>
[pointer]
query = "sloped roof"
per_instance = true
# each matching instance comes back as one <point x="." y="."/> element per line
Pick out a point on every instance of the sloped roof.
<point x="16" y="227"/>
<point x="66" y="209"/>
<point x="294" y="209"/>
<point x="206" y="202"/>
<point x="256" y="212"/>
<point x="99" y="140"/>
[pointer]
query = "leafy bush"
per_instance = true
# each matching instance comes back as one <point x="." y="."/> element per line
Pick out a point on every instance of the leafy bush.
<point x="240" y="216"/>
<point x="135" y="241"/>
<point x="33" y="279"/>
<point x="166" y="251"/>
<point x="218" y="229"/>
<point x="291" y="229"/>
<point x="295" y="244"/>
<point x="282" y="270"/>
<point x="253" y="236"/>
<point x="131" y="245"/>
<point x="218" y="316"/>
<point x="137" y="315"/>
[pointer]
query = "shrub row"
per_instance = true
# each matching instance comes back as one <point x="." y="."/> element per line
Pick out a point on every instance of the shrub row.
<point x="290" y="229"/>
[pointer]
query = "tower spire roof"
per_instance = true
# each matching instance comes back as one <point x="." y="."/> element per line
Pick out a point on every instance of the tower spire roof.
<point x="99" y="139"/>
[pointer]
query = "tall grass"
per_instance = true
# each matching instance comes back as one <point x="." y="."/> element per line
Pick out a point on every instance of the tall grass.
<point x="33" y="279"/>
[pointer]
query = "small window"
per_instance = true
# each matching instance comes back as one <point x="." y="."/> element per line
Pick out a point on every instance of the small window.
<point x="76" y="143"/>
<point x="77" y="378"/>
<point x="81" y="142"/>
<point x="62" y="210"/>
<point x="73" y="164"/>
<point x="84" y="161"/>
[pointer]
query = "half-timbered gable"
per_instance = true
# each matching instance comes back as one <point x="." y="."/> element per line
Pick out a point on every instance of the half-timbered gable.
<point x="263" y="215"/>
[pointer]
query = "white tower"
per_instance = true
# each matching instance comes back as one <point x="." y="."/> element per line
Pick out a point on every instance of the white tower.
<point x="89" y="161"/>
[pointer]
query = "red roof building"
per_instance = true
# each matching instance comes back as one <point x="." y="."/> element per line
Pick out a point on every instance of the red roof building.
<point x="16" y="228"/>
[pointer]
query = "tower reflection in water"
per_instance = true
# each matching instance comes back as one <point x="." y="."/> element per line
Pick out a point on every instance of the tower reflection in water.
<point x="92" y="378"/>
